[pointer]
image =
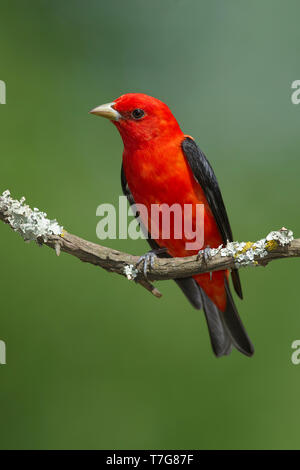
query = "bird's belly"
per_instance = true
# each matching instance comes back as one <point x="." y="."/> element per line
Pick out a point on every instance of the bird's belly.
<point x="176" y="195"/>
<point x="169" y="180"/>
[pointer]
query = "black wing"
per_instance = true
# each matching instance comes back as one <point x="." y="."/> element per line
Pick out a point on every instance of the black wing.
<point x="206" y="177"/>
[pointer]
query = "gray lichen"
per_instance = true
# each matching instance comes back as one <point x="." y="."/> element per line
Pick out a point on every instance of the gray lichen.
<point x="282" y="236"/>
<point x="130" y="272"/>
<point x="32" y="224"/>
<point x="246" y="252"/>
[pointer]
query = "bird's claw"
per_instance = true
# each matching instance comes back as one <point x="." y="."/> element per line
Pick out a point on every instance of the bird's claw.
<point x="148" y="259"/>
<point x="205" y="254"/>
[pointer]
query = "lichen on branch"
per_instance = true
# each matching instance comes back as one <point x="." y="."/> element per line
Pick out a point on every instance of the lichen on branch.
<point x="33" y="225"/>
<point x="247" y="253"/>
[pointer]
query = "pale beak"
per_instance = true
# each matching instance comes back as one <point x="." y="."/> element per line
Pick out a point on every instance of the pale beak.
<point x="107" y="111"/>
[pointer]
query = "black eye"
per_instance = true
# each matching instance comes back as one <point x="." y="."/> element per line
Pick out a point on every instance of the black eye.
<point x="137" y="113"/>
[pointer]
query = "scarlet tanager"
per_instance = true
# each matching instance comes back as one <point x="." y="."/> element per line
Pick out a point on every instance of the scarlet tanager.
<point x="162" y="165"/>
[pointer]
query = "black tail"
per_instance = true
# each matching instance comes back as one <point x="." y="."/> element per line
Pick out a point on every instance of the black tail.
<point x="235" y="327"/>
<point x="220" y="338"/>
<point x="225" y="328"/>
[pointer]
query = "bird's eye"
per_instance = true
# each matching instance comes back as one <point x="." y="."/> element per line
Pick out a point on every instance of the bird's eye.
<point x="137" y="113"/>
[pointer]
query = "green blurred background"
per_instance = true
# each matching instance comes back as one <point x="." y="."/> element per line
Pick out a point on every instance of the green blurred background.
<point x="94" y="361"/>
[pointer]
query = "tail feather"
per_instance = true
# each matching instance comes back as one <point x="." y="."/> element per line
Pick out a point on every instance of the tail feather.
<point x="191" y="290"/>
<point x="219" y="336"/>
<point x="235" y="326"/>
<point x="225" y="328"/>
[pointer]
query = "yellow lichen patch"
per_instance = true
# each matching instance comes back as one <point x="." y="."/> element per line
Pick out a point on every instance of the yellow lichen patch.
<point x="247" y="246"/>
<point x="271" y="245"/>
<point x="62" y="233"/>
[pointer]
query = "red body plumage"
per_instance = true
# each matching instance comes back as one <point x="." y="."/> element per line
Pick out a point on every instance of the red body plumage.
<point x="157" y="172"/>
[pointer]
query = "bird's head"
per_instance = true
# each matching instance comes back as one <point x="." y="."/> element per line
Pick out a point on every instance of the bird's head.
<point x="139" y="118"/>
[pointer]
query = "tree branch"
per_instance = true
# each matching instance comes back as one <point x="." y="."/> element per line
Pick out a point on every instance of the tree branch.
<point x="34" y="225"/>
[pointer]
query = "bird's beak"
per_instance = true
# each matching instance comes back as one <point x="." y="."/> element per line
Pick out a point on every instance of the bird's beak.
<point x="107" y="111"/>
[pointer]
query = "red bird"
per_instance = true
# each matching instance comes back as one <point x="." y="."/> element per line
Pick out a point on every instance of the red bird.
<point x="162" y="165"/>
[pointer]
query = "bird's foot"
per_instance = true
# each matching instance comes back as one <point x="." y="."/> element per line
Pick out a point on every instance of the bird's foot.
<point x="205" y="254"/>
<point x="148" y="259"/>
